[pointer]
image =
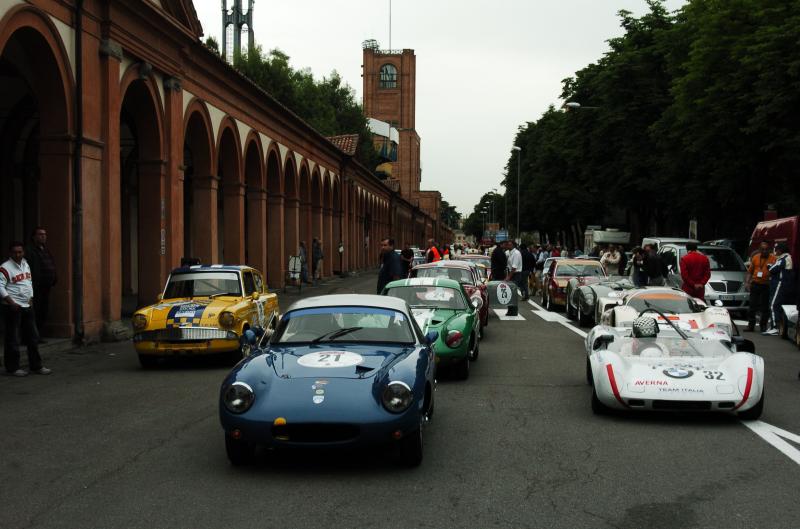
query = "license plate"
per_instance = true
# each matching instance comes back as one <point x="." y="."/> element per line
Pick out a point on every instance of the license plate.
<point x="726" y="298"/>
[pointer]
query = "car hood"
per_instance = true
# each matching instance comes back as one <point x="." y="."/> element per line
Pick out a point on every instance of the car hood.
<point x="188" y="311"/>
<point x="432" y="319"/>
<point x="335" y="360"/>
<point x="719" y="275"/>
<point x="686" y="376"/>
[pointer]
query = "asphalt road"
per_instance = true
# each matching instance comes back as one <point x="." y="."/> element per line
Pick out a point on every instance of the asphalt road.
<point x="104" y="444"/>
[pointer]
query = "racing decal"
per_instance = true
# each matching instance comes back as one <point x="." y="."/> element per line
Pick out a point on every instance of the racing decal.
<point x="613" y="381"/>
<point x="678" y="372"/>
<point x="423" y="317"/>
<point x="186" y="313"/>
<point x="714" y="375"/>
<point x="330" y="359"/>
<point x="650" y="383"/>
<point x="504" y="294"/>
<point x="748" y="386"/>
<point x="318" y="399"/>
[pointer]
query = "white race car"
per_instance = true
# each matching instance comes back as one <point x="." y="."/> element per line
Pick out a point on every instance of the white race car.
<point x="648" y="367"/>
<point x="680" y="308"/>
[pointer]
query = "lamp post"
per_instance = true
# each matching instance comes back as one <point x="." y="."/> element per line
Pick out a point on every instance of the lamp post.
<point x="519" y="157"/>
<point x="574" y="105"/>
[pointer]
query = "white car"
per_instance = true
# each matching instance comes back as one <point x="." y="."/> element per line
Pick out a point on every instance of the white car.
<point x="691" y="314"/>
<point x="651" y="368"/>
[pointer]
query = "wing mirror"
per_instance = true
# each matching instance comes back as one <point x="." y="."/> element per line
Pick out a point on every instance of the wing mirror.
<point x="477" y="303"/>
<point x="602" y="341"/>
<point x="744" y="345"/>
<point x="431" y="337"/>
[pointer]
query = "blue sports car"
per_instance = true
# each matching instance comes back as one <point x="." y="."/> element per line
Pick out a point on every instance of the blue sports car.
<point x="340" y="370"/>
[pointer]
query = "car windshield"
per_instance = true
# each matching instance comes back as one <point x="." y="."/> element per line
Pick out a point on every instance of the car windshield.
<point x="344" y="324"/>
<point x="202" y="284"/>
<point x="673" y="346"/>
<point x="575" y="270"/>
<point x="430" y="296"/>
<point x="462" y="275"/>
<point x="723" y="259"/>
<point x="667" y="302"/>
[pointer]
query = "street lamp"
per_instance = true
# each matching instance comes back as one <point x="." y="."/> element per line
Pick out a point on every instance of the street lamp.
<point x="519" y="157"/>
<point x="574" y="105"/>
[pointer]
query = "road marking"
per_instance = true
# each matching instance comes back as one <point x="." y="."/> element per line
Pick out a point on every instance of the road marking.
<point x="501" y="313"/>
<point x="574" y="329"/>
<point x="777" y="438"/>
<point x="556" y="317"/>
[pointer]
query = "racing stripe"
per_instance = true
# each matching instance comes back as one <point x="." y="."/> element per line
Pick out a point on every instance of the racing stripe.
<point x="613" y="381"/>
<point x="747" y="388"/>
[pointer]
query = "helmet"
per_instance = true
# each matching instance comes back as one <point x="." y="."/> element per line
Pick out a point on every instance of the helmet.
<point x="645" y="327"/>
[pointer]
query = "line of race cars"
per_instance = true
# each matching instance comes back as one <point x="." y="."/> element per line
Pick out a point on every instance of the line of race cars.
<point x="344" y="370"/>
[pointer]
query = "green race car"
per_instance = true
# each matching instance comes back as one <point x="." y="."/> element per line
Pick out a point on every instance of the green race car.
<point x="442" y="305"/>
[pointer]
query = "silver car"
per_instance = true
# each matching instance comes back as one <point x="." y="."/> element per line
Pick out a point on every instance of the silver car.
<point x="728" y="273"/>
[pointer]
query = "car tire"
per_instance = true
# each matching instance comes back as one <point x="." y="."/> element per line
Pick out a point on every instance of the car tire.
<point x="583" y="319"/>
<point x="755" y="412"/>
<point x="476" y="349"/>
<point x="589" y="377"/>
<point x="797" y="335"/>
<point x="243" y="351"/>
<point x="598" y="408"/>
<point x="239" y="452"/>
<point x="411" y="447"/>
<point x="148" y="361"/>
<point x="462" y="369"/>
<point x="571" y="312"/>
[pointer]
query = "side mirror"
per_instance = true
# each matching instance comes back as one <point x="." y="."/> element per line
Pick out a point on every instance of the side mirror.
<point x="160" y="297"/>
<point x="477" y="303"/>
<point x="744" y="345"/>
<point x="602" y="341"/>
<point x="431" y="337"/>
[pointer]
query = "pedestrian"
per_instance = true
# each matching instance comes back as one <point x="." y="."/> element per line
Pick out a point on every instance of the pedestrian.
<point x="638" y="272"/>
<point x="316" y="259"/>
<point x="433" y="254"/>
<point x="514" y="265"/>
<point x="781" y="276"/>
<point x="499" y="263"/>
<point x="695" y="271"/>
<point x="556" y="251"/>
<point x="390" y="265"/>
<point x="406" y="261"/>
<point x="528" y="266"/>
<point x="43" y="272"/>
<point x="610" y="260"/>
<point x="623" y="262"/>
<point x="16" y="301"/>
<point x="757" y="283"/>
<point x="654" y="267"/>
<point x="304" y="263"/>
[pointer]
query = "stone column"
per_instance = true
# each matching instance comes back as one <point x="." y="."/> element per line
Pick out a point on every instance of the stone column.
<point x="275" y="245"/>
<point x="233" y="240"/>
<point x="256" y="232"/>
<point x="204" y="224"/>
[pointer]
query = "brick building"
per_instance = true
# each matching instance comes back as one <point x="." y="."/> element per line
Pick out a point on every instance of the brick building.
<point x="135" y="145"/>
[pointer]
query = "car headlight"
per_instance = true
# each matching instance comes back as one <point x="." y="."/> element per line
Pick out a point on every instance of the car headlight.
<point x="453" y="339"/>
<point x="238" y="397"/>
<point x="139" y="321"/>
<point x="226" y="319"/>
<point x="397" y="397"/>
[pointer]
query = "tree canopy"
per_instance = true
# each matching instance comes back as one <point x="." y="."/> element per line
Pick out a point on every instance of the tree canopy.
<point x="691" y="114"/>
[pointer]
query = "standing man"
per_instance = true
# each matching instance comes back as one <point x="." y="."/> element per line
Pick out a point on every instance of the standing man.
<point x="433" y="254"/>
<point x="390" y="264"/>
<point x="695" y="271"/>
<point x="610" y="261"/>
<point x="499" y="262"/>
<point x="43" y="272"/>
<point x="406" y="260"/>
<point x="16" y="298"/>
<point x="514" y="265"/>
<point x="654" y="267"/>
<point x="528" y="265"/>
<point x="303" y="263"/>
<point x="316" y="256"/>
<point x="781" y="274"/>
<point x="757" y="282"/>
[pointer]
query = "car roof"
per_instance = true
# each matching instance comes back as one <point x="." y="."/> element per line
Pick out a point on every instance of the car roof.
<point x="701" y="247"/>
<point x="447" y="264"/>
<point x="427" y="282"/>
<point x="351" y="300"/>
<point x="210" y="268"/>
<point x="577" y="261"/>
<point x="670" y="240"/>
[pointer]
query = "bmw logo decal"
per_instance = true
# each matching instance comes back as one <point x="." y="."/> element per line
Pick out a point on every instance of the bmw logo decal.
<point x="677" y="372"/>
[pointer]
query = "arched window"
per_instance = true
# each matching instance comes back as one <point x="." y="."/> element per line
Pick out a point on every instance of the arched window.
<point x="388" y="76"/>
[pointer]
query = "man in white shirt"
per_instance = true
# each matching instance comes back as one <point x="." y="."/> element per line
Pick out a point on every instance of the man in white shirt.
<point x="16" y="300"/>
<point x="515" y="266"/>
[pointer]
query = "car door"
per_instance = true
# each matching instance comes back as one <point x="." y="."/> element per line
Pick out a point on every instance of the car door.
<point x="669" y="255"/>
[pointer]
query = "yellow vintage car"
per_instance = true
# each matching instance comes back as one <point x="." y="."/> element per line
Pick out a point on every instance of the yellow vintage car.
<point x="205" y="310"/>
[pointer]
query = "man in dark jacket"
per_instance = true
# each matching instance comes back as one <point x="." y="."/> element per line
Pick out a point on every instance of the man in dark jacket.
<point x="499" y="262"/>
<point x="655" y="267"/>
<point x="43" y="272"/>
<point x="528" y="266"/>
<point x="390" y="264"/>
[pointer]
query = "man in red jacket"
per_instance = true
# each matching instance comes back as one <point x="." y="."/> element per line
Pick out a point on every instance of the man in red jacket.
<point x="695" y="271"/>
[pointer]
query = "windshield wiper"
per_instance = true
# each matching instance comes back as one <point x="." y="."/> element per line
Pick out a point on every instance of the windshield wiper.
<point x="677" y="329"/>
<point x="222" y="294"/>
<point x="335" y="334"/>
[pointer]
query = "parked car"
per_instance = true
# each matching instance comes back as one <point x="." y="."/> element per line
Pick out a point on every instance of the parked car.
<point x="647" y="368"/>
<point x="340" y="370"/>
<point x="442" y="305"/>
<point x="465" y="273"/>
<point x="659" y="241"/>
<point x="585" y="303"/>
<point x="554" y="290"/>
<point x="204" y="310"/>
<point x="728" y="275"/>
<point x="790" y="327"/>
<point x="737" y="245"/>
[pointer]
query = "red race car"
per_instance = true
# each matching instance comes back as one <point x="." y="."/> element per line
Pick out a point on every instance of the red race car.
<point x="554" y="291"/>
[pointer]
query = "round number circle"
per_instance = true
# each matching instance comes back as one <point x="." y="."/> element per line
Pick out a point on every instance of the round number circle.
<point x="330" y="359"/>
<point x="503" y="294"/>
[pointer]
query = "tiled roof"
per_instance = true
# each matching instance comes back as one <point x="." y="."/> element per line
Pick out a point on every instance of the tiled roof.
<point x="348" y="143"/>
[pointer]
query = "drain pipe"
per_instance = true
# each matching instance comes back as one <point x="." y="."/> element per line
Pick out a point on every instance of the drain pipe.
<point x="77" y="175"/>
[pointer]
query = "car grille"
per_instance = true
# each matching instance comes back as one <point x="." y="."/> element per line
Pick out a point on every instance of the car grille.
<point x="678" y="405"/>
<point x="185" y="334"/>
<point x="315" y="432"/>
<point x="725" y="286"/>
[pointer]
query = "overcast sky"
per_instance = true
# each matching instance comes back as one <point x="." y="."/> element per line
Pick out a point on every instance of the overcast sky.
<point x="483" y="67"/>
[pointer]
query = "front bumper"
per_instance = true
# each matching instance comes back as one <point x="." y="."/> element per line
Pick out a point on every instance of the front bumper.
<point x="734" y="301"/>
<point x="185" y="341"/>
